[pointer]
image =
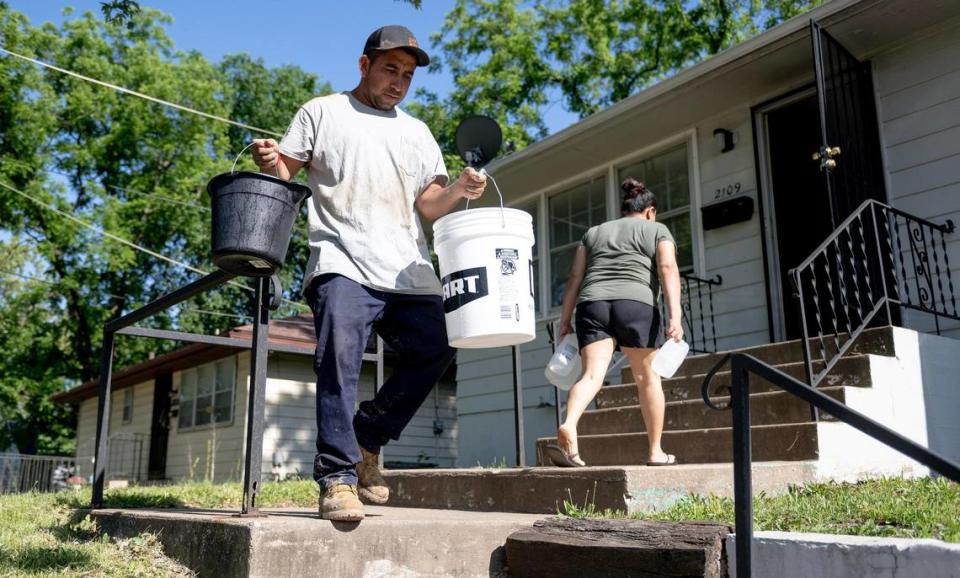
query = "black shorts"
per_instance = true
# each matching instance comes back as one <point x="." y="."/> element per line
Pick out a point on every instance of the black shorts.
<point x="630" y="323"/>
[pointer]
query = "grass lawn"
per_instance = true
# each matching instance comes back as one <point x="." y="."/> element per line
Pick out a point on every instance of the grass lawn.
<point x="48" y="535"/>
<point x="892" y="507"/>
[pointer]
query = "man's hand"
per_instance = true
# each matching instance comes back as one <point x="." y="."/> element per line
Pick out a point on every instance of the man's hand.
<point x="470" y="184"/>
<point x="437" y="200"/>
<point x="266" y="153"/>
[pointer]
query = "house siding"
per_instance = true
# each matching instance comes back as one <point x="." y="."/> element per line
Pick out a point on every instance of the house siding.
<point x="735" y="251"/>
<point x="289" y="438"/>
<point x="128" y="457"/>
<point x="918" y="100"/>
<point x="211" y="453"/>
<point x="485" y="402"/>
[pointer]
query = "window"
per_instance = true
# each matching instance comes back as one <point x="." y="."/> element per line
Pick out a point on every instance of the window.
<point x="206" y="394"/>
<point x="534" y="209"/>
<point x="571" y="213"/>
<point x="127" y="405"/>
<point x="666" y="174"/>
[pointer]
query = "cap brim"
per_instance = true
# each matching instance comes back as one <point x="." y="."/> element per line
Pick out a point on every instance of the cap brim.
<point x="423" y="59"/>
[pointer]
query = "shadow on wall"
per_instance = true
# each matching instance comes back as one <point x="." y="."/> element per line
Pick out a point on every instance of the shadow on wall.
<point x="939" y="366"/>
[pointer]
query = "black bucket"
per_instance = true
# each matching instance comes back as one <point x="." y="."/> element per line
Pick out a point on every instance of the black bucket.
<point x="253" y="216"/>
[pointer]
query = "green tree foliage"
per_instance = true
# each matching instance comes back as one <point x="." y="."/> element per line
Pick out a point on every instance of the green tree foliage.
<point x="514" y="60"/>
<point x="126" y="165"/>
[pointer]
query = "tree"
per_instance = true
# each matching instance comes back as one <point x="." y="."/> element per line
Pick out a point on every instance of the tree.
<point x="122" y="164"/>
<point x="513" y="60"/>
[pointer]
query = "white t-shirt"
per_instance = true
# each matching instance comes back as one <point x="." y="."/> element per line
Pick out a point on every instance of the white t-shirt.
<point x="366" y="168"/>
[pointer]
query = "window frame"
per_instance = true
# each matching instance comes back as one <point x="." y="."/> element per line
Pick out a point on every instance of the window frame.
<point x="128" y="400"/>
<point x="534" y="206"/>
<point x="231" y="364"/>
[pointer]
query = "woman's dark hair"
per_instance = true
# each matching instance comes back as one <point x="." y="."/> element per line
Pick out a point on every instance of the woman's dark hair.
<point x="636" y="197"/>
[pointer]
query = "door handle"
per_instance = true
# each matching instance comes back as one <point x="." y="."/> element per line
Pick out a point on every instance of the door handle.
<point x="825" y="156"/>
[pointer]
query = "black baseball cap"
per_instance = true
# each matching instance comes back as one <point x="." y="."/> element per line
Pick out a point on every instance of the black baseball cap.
<point x="396" y="36"/>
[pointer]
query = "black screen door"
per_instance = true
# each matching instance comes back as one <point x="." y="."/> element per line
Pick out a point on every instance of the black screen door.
<point x="850" y="139"/>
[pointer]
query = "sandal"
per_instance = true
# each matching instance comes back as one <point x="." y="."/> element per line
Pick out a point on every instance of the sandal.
<point x="670" y="461"/>
<point x="562" y="459"/>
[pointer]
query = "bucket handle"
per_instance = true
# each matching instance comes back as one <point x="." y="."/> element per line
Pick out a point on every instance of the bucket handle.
<point x="233" y="169"/>
<point x="503" y="219"/>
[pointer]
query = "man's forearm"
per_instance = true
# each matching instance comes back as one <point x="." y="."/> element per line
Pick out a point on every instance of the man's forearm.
<point x="433" y="204"/>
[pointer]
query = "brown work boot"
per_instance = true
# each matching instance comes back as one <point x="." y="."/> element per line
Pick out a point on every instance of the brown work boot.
<point x="340" y="503"/>
<point x="373" y="488"/>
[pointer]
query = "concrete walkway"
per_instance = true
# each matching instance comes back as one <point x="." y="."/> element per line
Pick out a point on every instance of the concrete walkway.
<point x="396" y="542"/>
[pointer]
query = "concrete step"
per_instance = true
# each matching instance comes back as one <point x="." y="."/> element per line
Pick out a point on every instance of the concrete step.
<point x="772" y="407"/>
<point x="544" y="489"/>
<point x="295" y="542"/>
<point x="877" y="341"/>
<point x="852" y="371"/>
<point x="781" y="442"/>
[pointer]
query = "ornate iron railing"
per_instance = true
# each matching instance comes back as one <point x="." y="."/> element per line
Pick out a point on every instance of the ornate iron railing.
<point x="741" y="366"/>
<point x="879" y="260"/>
<point x="699" y="321"/>
<point x="128" y="456"/>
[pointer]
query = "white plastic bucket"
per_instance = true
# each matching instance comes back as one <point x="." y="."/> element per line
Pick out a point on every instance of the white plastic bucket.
<point x="486" y="271"/>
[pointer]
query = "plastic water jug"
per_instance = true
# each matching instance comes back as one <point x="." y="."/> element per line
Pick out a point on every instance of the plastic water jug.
<point x="564" y="368"/>
<point x="669" y="357"/>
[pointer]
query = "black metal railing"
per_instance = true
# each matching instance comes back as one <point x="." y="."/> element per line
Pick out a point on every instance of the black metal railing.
<point x="880" y="260"/>
<point x="29" y="473"/>
<point x="267" y="294"/>
<point x="741" y="366"/>
<point x="696" y="303"/>
<point x="127" y="456"/>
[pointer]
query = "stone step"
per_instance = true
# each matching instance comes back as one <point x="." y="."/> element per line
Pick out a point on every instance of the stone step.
<point x="877" y="341"/>
<point x="544" y="489"/>
<point x="296" y="542"/>
<point x="781" y="442"/>
<point x="772" y="407"/>
<point x="852" y="371"/>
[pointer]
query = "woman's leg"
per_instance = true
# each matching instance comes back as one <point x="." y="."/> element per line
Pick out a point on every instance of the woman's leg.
<point x="650" y="393"/>
<point x="596" y="358"/>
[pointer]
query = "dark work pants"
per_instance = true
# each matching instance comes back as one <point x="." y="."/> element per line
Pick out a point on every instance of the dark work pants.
<point x="344" y="313"/>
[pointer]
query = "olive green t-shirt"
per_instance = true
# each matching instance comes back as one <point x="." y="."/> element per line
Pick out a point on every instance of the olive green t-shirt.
<point x="622" y="260"/>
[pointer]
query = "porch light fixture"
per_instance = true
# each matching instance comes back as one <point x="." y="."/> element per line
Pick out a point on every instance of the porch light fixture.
<point x="724" y="139"/>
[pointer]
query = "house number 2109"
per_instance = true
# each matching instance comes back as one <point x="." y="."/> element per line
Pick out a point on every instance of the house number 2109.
<point x="727" y="191"/>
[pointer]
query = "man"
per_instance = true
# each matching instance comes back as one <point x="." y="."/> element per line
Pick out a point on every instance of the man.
<point x="374" y="171"/>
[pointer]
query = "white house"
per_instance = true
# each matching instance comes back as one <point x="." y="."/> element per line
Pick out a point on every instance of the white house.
<point x="182" y="415"/>
<point x="727" y="146"/>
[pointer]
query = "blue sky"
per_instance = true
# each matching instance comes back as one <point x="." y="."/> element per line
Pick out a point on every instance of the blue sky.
<point x="322" y="36"/>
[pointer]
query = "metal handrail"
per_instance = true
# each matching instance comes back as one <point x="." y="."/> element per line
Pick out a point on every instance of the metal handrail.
<point x="741" y="365"/>
<point x="864" y="253"/>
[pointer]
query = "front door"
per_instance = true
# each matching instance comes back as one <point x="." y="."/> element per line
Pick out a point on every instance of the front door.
<point x="798" y="219"/>
<point x="820" y="159"/>
<point x="160" y="427"/>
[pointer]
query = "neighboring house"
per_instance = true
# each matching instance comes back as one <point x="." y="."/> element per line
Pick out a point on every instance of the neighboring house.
<point x="182" y="415"/>
<point x="739" y="128"/>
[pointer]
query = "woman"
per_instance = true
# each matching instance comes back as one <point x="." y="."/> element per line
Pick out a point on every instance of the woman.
<point x="615" y="282"/>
